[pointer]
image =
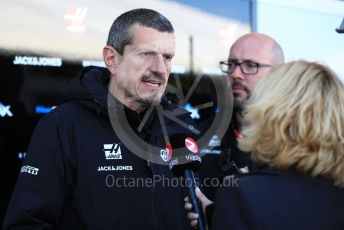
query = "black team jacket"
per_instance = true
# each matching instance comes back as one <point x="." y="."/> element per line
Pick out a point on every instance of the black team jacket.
<point x="79" y="174"/>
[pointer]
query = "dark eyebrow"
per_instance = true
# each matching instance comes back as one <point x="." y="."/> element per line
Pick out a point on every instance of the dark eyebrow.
<point x="169" y="53"/>
<point x="232" y="60"/>
<point x="250" y="60"/>
<point x="245" y="60"/>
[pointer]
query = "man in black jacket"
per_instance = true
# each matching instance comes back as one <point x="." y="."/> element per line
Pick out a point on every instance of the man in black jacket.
<point x="81" y="169"/>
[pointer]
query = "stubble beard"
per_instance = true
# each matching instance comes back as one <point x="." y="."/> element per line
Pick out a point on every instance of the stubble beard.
<point x="153" y="99"/>
<point x="239" y="103"/>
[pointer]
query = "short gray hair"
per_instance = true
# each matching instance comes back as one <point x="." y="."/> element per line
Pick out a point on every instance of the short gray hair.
<point x="119" y="35"/>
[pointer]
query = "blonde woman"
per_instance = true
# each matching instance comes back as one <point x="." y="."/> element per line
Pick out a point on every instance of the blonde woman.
<point x="295" y="131"/>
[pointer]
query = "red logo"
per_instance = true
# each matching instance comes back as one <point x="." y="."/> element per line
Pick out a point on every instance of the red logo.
<point x="191" y="145"/>
<point x="75" y="19"/>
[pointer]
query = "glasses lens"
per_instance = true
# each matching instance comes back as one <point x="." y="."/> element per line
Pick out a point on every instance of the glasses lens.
<point x="224" y="67"/>
<point x="231" y="66"/>
<point x="249" y="67"/>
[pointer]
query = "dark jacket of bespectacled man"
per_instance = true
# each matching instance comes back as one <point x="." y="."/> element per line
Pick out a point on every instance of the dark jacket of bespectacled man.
<point x="95" y="161"/>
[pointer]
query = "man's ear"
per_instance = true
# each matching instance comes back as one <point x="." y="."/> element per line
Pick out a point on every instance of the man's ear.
<point x="111" y="58"/>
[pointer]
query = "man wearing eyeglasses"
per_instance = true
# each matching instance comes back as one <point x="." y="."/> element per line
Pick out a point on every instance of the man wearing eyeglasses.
<point x="250" y="59"/>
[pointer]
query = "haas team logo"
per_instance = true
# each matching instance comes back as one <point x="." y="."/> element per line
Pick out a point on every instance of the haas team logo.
<point x="166" y="153"/>
<point x="112" y="151"/>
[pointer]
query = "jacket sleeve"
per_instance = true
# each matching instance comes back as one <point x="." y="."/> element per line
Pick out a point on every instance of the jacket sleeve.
<point x="39" y="194"/>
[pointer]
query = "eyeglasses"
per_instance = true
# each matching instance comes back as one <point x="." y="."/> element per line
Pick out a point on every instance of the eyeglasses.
<point x="246" y="67"/>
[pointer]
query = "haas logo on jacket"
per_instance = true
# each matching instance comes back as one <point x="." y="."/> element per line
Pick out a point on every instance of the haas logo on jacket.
<point x="112" y="151"/>
<point x="29" y="169"/>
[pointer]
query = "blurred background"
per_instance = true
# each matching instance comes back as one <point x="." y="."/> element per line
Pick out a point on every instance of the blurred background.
<point x="44" y="44"/>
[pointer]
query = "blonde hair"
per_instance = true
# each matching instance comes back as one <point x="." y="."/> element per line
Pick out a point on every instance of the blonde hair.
<point x="295" y="118"/>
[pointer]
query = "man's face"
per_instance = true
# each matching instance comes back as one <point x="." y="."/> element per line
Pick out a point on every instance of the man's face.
<point x="141" y="73"/>
<point x="253" y="49"/>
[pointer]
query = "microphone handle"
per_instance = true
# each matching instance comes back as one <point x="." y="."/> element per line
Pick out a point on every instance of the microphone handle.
<point x="191" y="185"/>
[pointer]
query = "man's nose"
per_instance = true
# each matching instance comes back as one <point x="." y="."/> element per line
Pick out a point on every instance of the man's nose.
<point x="158" y="65"/>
